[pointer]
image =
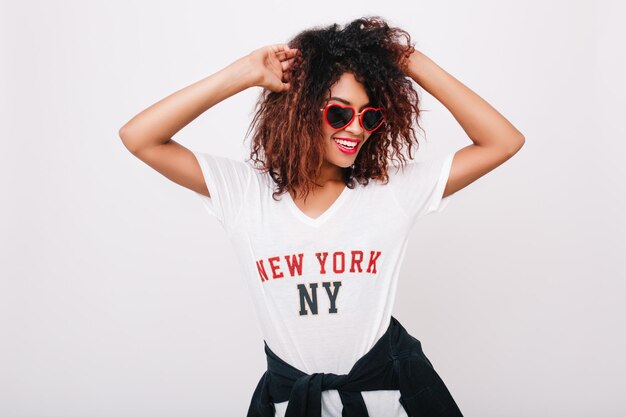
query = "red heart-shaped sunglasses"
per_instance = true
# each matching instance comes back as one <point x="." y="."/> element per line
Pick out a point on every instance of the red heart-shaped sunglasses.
<point x="339" y="116"/>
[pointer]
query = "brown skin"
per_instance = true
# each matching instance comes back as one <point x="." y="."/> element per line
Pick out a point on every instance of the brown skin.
<point x="495" y="139"/>
<point x="349" y="89"/>
<point x="148" y="135"/>
<point x="273" y="69"/>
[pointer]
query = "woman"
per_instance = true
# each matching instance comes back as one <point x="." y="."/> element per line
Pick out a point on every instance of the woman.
<point x="321" y="262"/>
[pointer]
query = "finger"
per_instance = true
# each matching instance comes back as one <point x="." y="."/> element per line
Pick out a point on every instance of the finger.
<point x="285" y="65"/>
<point x="291" y="53"/>
<point x="276" y="50"/>
<point x="280" y="48"/>
<point x="285" y="52"/>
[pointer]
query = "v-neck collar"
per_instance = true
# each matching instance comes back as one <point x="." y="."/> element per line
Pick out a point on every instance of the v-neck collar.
<point x="316" y="222"/>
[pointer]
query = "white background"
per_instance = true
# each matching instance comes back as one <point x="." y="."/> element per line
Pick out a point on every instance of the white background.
<point x="120" y="296"/>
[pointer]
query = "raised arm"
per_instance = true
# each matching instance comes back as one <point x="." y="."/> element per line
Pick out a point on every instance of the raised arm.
<point x="495" y="139"/>
<point x="148" y="134"/>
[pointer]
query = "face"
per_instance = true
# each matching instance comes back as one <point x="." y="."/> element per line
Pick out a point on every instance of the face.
<point x="346" y="91"/>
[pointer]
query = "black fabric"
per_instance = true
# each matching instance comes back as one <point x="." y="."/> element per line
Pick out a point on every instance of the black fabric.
<point x="395" y="362"/>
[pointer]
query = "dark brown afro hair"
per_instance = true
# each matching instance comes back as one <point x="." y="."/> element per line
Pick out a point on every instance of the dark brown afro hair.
<point x="287" y="140"/>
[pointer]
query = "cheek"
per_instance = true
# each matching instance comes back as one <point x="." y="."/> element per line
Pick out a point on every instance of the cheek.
<point x="328" y="132"/>
<point x="328" y="138"/>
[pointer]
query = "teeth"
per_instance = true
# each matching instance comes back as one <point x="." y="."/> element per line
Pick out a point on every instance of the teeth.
<point x="346" y="143"/>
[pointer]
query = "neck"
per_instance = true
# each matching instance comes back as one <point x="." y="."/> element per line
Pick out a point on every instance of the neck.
<point x="329" y="173"/>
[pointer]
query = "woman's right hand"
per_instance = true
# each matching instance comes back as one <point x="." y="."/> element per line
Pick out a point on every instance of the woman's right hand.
<point x="272" y="64"/>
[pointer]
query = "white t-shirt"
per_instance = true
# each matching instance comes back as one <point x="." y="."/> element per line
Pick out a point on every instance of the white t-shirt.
<point x="324" y="288"/>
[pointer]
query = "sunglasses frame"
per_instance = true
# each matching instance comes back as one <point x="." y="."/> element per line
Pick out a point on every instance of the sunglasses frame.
<point x="354" y="114"/>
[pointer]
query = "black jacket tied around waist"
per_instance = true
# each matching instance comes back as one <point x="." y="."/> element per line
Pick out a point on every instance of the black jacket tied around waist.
<point x="395" y="362"/>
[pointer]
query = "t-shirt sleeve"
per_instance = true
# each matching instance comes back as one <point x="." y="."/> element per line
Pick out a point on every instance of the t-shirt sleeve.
<point x="227" y="181"/>
<point x="418" y="187"/>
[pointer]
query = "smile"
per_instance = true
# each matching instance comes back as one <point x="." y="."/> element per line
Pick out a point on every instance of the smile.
<point x="347" y="146"/>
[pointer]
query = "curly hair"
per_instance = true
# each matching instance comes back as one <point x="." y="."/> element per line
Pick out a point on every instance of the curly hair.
<point x="287" y="141"/>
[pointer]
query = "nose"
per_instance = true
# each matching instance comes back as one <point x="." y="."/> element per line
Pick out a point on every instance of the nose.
<point x="355" y="127"/>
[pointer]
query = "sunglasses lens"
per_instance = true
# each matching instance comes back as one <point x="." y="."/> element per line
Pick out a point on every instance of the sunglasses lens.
<point x="338" y="117"/>
<point x="372" y="119"/>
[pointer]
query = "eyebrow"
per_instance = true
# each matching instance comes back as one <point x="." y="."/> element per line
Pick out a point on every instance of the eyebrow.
<point x="344" y="101"/>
